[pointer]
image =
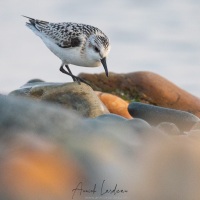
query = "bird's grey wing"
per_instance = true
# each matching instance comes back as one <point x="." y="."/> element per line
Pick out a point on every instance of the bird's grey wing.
<point x="61" y="34"/>
<point x="69" y="42"/>
<point x="65" y="35"/>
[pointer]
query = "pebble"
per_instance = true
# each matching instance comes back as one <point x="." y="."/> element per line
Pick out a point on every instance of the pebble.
<point x="154" y="115"/>
<point x="138" y="125"/>
<point x="115" y="104"/>
<point x="109" y="118"/>
<point x="169" y="128"/>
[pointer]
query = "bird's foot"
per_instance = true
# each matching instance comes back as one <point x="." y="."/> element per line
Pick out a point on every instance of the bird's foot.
<point x="79" y="80"/>
<point x="75" y="78"/>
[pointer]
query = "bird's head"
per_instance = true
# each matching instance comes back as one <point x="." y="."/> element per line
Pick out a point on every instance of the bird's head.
<point x="98" y="49"/>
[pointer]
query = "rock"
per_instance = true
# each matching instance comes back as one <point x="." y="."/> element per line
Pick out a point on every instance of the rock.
<point x="196" y="126"/>
<point x="23" y="114"/>
<point x="80" y="98"/>
<point x="145" y="87"/>
<point x="139" y="125"/>
<point x="169" y="170"/>
<point x="31" y="135"/>
<point x="46" y="151"/>
<point x="34" y="163"/>
<point x="154" y="115"/>
<point x="195" y="134"/>
<point x="34" y="81"/>
<point x="169" y="128"/>
<point x="29" y="129"/>
<point x="112" y="122"/>
<point x="115" y="104"/>
<point x="109" y="118"/>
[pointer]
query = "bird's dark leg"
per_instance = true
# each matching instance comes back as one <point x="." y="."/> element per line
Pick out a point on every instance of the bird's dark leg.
<point x="68" y="69"/>
<point x="75" y="78"/>
<point x="68" y="73"/>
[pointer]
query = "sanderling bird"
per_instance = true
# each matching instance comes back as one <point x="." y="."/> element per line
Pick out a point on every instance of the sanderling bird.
<point x="73" y="43"/>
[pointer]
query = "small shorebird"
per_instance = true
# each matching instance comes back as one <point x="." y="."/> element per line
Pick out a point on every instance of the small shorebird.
<point x="73" y="43"/>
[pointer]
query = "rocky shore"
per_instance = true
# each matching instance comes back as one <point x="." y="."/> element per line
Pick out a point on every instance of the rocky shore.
<point x="129" y="136"/>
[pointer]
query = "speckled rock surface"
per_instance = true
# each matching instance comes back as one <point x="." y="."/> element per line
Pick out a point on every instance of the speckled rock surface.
<point x="145" y="87"/>
<point x="80" y="98"/>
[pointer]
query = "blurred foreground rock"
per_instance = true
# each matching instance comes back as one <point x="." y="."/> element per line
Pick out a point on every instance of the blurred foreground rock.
<point x="145" y="87"/>
<point x="80" y="98"/>
<point x="172" y="172"/>
<point x="50" y="153"/>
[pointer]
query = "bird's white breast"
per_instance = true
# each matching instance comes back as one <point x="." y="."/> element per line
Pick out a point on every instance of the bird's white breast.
<point x="70" y="55"/>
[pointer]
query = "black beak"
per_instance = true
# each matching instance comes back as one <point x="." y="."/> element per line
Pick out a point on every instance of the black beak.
<point x="103" y="61"/>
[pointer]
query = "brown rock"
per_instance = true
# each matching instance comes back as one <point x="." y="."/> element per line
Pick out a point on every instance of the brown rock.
<point x="80" y="98"/>
<point x="145" y="87"/>
<point x="115" y="104"/>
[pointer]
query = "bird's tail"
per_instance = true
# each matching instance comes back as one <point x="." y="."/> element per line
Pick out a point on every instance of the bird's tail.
<point x="38" y="24"/>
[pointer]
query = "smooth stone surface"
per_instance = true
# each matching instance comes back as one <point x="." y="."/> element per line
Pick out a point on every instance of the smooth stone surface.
<point x="36" y="80"/>
<point x="115" y="104"/>
<point x="110" y="118"/>
<point x="196" y="126"/>
<point x="23" y="114"/>
<point x="154" y="115"/>
<point x="146" y="87"/>
<point x="170" y="170"/>
<point x="169" y="128"/>
<point x="80" y="98"/>
<point x="138" y="125"/>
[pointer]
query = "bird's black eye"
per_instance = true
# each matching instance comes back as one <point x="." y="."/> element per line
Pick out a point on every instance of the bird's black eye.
<point x="96" y="49"/>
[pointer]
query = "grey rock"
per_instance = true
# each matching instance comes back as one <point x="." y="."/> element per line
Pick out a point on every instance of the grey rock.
<point x="35" y="81"/>
<point x="155" y="115"/>
<point x="80" y="98"/>
<point x="22" y="114"/>
<point x="138" y="125"/>
<point x="196" y="126"/>
<point x="110" y="118"/>
<point x="169" y="128"/>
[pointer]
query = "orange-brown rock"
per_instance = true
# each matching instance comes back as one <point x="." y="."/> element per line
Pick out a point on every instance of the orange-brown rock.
<point x="34" y="168"/>
<point x="115" y="104"/>
<point x="145" y="87"/>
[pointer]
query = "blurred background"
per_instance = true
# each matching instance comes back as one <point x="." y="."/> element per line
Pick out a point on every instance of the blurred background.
<point x="158" y="36"/>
